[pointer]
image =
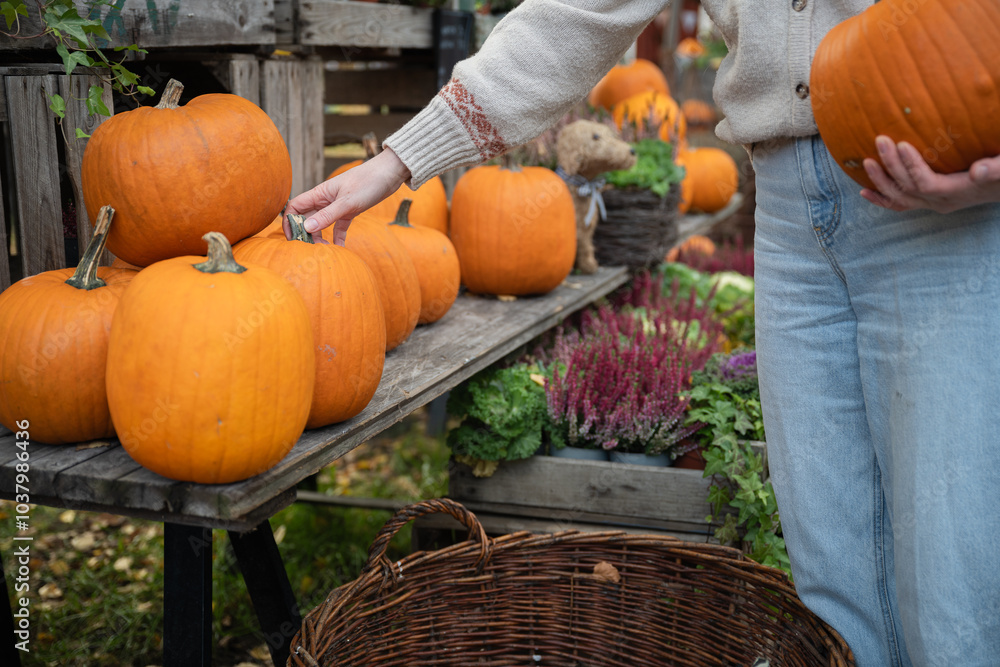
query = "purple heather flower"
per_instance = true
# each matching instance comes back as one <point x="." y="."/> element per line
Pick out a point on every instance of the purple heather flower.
<point x="739" y="366"/>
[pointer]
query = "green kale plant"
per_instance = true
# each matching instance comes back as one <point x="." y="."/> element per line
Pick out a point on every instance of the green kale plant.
<point x="654" y="168"/>
<point x="504" y="415"/>
<point x="726" y="399"/>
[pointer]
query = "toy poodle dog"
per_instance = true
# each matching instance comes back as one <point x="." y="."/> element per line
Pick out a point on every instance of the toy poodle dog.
<point x="585" y="150"/>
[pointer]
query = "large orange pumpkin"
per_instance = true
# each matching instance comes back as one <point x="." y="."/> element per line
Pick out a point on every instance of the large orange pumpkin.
<point x="344" y="306"/>
<point x="653" y="107"/>
<point x="398" y="283"/>
<point x="430" y="200"/>
<point x="514" y="229"/>
<point x="436" y="261"/>
<point x="698" y="112"/>
<point x="710" y="180"/>
<point x="210" y="367"/>
<point x="926" y="72"/>
<point x="624" y="81"/>
<point x="174" y="172"/>
<point x="54" y="346"/>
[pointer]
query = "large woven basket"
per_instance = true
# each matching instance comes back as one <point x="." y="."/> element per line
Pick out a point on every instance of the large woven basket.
<point x="639" y="230"/>
<point x="572" y="598"/>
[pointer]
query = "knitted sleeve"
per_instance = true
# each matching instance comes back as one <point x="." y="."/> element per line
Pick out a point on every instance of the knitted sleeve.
<point x="539" y="61"/>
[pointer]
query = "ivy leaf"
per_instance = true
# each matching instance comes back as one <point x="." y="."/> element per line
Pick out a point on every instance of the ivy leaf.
<point x="146" y="90"/>
<point x="57" y="104"/>
<point x="124" y="76"/>
<point x="10" y="12"/>
<point x="73" y="58"/>
<point x="65" y="20"/>
<point x="95" y="103"/>
<point x="80" y="134"/>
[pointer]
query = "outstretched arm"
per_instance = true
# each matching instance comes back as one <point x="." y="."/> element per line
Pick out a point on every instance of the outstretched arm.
<point x="542" y="59"/>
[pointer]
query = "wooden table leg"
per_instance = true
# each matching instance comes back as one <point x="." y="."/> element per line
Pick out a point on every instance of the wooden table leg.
<point x="269" y="588"/>
<point x="9" y="654"/>
<point x="187" y="596"/>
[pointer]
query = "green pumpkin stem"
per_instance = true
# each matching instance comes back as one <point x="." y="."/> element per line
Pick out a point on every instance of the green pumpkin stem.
<point x="85" y="276"/>
<point x="509" y="163"/>
<point x="371" y="145"/>
<point x="297" y="223"/>
<point x="220" y="256"/>
<point x="403" y="214"/>
<point x="171" y="97"/>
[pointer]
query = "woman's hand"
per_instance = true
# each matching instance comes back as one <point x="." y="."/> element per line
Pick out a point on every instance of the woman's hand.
<point x="908" y="183"/>
<point x="339" y="199"/>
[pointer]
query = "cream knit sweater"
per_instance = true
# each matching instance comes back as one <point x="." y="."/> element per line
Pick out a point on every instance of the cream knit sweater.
<point x="546" y="55"/>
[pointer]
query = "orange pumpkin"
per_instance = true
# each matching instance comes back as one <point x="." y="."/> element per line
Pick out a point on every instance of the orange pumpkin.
<point x="698" y="112"/>
<point x="436" y="261"/>
<point x="689" y="47"/>
<point x="654" y="107"/>
<point x="211" y="367"/>
<point x="693" y="244"/>
<point x="273" y="228"/>
<point x="173" y="172"/>
<point x="54" y="346"/>
<point x="119" y="263"/>
<point x="344" y="306"/>
<point x="397" y="279"/>
<point x="687" y="184"/>
<point x="712" y="176"/>
<point x="926" y="72"/>
<point x="514" y="229"/>
<point x="624" y="81"/>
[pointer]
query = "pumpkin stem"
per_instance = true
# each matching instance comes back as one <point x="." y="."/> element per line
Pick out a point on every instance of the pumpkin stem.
<point x="509" y="163"/>
<point x="371" y="145"/>
<point x="171" y="98"/>
<point x="298" y="226"/>
<point x="85" y="276"/>
<point x="403" y="214"/>
<point x="220" y="256"/>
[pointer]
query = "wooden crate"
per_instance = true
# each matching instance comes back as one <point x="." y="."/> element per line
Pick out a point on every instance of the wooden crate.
<point x="152" y="24"/>
<point x="567" y="493"/>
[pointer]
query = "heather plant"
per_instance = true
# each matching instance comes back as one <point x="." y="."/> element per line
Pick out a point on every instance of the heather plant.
<point x="728" y="294"/>
<point x="728" y="256"/>
<point x="619" y="388"/>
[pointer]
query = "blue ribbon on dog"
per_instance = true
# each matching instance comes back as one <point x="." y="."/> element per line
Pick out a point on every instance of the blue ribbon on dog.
<point x="586" y="188"/>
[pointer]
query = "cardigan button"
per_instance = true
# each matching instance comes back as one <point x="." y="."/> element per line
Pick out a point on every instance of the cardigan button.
<point x="799" y="5"/>
<point x="802" y="90"/>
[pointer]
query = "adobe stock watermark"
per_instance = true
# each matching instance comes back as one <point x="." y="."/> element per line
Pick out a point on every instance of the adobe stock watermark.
<point x="21" y="605"/>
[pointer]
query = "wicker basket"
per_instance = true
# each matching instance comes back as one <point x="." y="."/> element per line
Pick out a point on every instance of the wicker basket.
<point x="639" y="230"/>
<point x="581" y="599"/>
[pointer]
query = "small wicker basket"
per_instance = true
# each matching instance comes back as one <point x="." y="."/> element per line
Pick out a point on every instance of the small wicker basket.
<point x="640" y="227"/>
<point x="580" y="599"/>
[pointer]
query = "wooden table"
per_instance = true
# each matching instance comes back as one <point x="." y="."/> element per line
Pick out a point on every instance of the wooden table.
<point x="475" y="333"/>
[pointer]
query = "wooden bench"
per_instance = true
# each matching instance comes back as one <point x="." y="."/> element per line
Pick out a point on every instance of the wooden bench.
<point x="474" y="334"/>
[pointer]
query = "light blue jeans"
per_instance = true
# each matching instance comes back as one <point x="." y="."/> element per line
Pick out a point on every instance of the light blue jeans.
<point x="878" y="342"/>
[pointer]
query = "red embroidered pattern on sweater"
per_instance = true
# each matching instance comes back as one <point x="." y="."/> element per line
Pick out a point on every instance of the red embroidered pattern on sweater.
<point x="480" y="129"/>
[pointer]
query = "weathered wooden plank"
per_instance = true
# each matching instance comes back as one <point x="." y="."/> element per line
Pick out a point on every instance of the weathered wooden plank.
<point x="44" y="471"/>
<point x="570" y="489"/>
<point x="74" y="90"/>
<point x="342" y="129"/>
<point x="286" y="29"/>
<point x="281" y="99"/>
<point x="36" y="172"/>
<point x="239" y="73"/>
<point x="165" y="23"/>
<point x="363" y="24"/>
<point x="4" y="244"/>
<point x="312" y="122"/>
<point x="400" y="87"/>
<point x="475" y="333"/>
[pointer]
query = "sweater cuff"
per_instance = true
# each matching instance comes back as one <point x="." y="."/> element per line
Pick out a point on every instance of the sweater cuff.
<point x="433" y="142"/>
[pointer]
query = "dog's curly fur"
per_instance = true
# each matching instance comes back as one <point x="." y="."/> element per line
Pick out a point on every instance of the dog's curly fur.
<point x="589" y="149"/>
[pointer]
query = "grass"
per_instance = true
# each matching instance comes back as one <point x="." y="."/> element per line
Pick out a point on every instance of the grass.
<point x="96" y="597"/>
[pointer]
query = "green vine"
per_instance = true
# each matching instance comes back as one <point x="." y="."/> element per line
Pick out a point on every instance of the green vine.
<point x="77" y="42"/>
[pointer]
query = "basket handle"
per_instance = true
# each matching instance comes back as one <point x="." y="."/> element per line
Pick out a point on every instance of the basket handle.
<point x="376" y="552"/>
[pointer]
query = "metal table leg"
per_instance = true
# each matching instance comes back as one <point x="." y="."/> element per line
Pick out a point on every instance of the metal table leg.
<point x="187" y="596"/>
<point x="269" y="588"/>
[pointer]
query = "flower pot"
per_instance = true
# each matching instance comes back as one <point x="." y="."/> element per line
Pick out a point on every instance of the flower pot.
<point x="639" y="458"/>
<point x="691" y="459"/>
<point x="580" y="453"/>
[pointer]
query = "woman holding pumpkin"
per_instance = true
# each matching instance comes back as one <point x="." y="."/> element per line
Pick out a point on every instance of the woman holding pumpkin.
<point x="876" y="331"/>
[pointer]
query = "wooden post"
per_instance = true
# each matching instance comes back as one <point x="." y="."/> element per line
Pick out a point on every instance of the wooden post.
<point x="36" y="172"/>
